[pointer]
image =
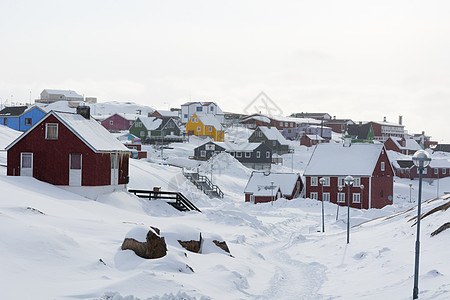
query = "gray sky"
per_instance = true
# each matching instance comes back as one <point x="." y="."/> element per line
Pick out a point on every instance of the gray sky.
<point x="353" y="59"/>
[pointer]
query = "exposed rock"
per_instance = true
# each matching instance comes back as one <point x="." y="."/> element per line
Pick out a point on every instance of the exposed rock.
<point x="222" y="245"/>
<point x="154" y="247"/>
<point x="440" y="229"/>
<point x="192" y="245"/>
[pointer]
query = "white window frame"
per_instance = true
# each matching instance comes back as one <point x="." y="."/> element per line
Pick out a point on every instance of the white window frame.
<point x="267" y="154"/>
<point x="341" y="198"/>
<point x="111" y="122"/>
<point x="357" y="181"/>
<point x="327" y="181"/>
<point x="47" y="125"/>
<point x="436" y="171"/>
<point x="281" y="124"/>
<point x="258" y="154"/>
<point x="314" y="196"/>
<point x="341" y="181"/>
<point x="199" y="129"/>
<point x="382" y="166"/>
<point x="326" y="197"/>
<point x="203" y="153"/>
<point x="248" y="154"/>
<point x="314" y="181"/>
<point x="238" y="154"/>
<point x="444" y="171"/>
<point x="210" y="128"/>
<point x="356" y="198"/>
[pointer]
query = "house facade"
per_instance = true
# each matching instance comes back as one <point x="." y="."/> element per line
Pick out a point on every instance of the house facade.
<point x="312" y="140"/>
<point x="267" y="187"/>
<point x="205" y="126"/>
<point x="257" y="156"/>
<point x="21" y="118"/>
<point x="402" y="145"/>
<point x="70" y="150"/>
<point x="383" y="130"/>
<point x="117" y="122"/>
<point x="272" y="137"/>
<point x="437" y="169"/>
<point x="360" y="132"/>
<point x="367" y="163"/>
<point x="206" y="108"/>
<point x="338" y="125"/>
<point x="153" y="129"/>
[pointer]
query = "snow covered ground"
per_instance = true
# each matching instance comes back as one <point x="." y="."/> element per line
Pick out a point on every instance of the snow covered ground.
<point x="57" y="245"/>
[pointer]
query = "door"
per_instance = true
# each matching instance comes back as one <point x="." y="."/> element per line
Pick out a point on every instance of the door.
<point x="114" y="169"/>
<point x="75" y="169"/>
<point x="26" y="164"/>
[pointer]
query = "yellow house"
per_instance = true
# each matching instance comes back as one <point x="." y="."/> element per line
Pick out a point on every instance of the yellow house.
<point x="205" y="125"/>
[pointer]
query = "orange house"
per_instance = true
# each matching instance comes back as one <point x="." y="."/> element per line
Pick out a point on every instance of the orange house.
<point x="205" y="125"/>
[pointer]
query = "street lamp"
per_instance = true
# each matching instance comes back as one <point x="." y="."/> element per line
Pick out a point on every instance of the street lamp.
<point x="421" y="159"/>
<point x="322" y="182"/>
<point x="362" y="195"/>
<point x="348" y="181"/>
<point x="271" y="187"/>
<point x="337" y="202"/>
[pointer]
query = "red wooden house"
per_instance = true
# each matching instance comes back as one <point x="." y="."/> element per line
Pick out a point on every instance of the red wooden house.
<point x="310" y="140"/>
<point x="69" y="149"/>
<point x="438" y="168"/>
<point x="367" y="163"/>
<point x="402" y="145"/>
<point x="117" y="122"/>
<point x="263" y="187"/>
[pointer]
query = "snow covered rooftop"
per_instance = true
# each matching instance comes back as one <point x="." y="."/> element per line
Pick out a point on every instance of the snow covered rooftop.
<point x="260" y="184"/>
<point x="168" y="113"/>
<point x="209" y="120"/>
<point x="238" y="146"/>
<point x="258" y="118"/>
<point x="334" y="159"/>
<point x="89" y="131"/>
<point x="315" y="137"/>
<point x="66" y="93"/>
<point x="151" y="123"/>
<point x="410" y="144"/>
<point x="273" y="133"/>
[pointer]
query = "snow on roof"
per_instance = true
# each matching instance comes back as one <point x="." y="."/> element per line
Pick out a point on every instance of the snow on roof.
<point x="238" y="146"/>
<point x="315" y="137"/>
<point x="209" y="120"/>
<point x="91" y="132"/>
<point x="439" y="163"/>
<point x="151" y="123"/>
<point x="7" y="135"/>
<point x="295" y="120"/>
<point x="258" y="118"/>
<point x="412" y="144"/>
<point x="386" y="123"/>
<point x="260" y="184"/>
<point x="334" y="159"/>
<point x="66" y="93"/>
<point x="168" y="113"/>
<point x="273" y="133"/>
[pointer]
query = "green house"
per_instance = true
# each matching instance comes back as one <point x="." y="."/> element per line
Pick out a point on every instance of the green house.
<point x="152" y="129"/>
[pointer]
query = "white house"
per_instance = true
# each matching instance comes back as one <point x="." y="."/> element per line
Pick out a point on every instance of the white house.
<point x="209" y="108"/>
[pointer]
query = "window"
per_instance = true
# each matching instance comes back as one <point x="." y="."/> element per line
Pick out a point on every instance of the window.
<point x="274" y="143"/>
<point x="138" y="124"/>
<point x="27" y="159"/>
<point x="313" y="181"/>
<point x="209" y="128"/>
<point x="5" y="121"/>
<point x="199" y="108"/>
<point x="27" y="121"/>
<point x="211" y="108"/>
<point x="142" y="133"/>
<point x="232" y="154"/>
<point x="51" y="131"/>
<point x="281" y="124"/>
<point x="114" y="161"/>
<point x="259" y="134"/>
<point x="248" y="154"/>
<point x="286" y="124"/>
<point x="185" y="116"/>
<point x="382" y="166"/>
<point x="111" y="122"/>
<point x="75" y="161"/>
<point x="381" y="194"/>
<point x="357" y="182"/>
<point x="444" y="171"/>
<point x="341" y="198"/>
<point x="238" y="154"/>
<point x="292" y="124"/>
<point x="436" y="171"/>
<point x="327" y="181"/>
<point x="340" y="181"/>
<point x="313" y="195"/>
<point x="267" y="154"/>
<point x="203" y="153"/>
<point x="199" y="128"/>
<point x="258" y="154"/>
<point x="326" y="197"/>
<point x="356" y="198"/>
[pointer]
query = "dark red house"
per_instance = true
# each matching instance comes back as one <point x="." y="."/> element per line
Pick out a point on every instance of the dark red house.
<point x="263" y="187"/>
<point x="117" y="122"/>
<point x="310" y="140"/>
<point x="69" y="149"/>
<point x="367" y="163"/>
<point x="438" y="168"/>
<point x="402" y="145"/>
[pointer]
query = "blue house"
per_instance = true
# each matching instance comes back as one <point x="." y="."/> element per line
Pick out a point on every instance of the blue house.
<point x="20" y="117"/>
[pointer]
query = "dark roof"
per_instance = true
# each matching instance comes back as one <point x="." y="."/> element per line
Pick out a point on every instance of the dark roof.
<point x="308" y="115"/>
<point x="359" y="131"/>
<point x="405" y="163"/>
<point x="442" y="147"/>
<point x="13" y="111"/>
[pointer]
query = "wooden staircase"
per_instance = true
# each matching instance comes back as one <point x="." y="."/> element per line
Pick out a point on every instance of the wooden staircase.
<point x="204" y="184"/>
<point x="181" y="202"/>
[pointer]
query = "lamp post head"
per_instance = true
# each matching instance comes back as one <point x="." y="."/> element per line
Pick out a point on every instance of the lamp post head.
<point x="340" y="188"/>
<point x="421" y="159"/>
<point x="410" y="185"/>
<point x="322" y="181"/>
<point x="362" y="186"/>
<point x="349" y="180"/>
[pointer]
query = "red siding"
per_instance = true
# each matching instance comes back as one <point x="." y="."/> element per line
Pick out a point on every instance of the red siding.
<point x="51" y="158"/>
<point x="119" y="123"/>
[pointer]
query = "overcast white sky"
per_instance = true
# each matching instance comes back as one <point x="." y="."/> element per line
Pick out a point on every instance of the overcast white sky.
<point x="353" y="59"/>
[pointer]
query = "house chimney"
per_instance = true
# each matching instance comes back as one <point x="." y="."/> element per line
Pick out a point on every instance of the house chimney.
<point x="334" y="117"/>
<point x="360" y="123"/>
<point x="384" y="119"/>
<point x="400" y="120"/>
<point x="85" y="111"/>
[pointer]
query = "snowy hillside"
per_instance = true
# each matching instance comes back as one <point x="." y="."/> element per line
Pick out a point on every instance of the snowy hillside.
<point x="58" y="245"/>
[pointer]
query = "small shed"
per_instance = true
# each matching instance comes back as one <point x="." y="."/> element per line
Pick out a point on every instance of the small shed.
<point x="266" y="187"/>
